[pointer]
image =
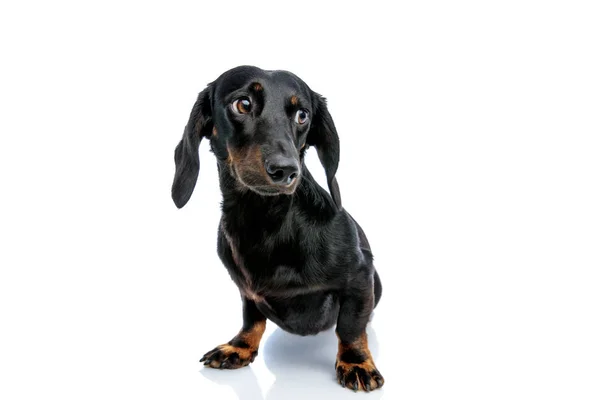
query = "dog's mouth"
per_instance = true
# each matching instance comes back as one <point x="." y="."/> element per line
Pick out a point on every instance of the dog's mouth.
<point x="265" y="188"/>
<point x="273" y="190"/>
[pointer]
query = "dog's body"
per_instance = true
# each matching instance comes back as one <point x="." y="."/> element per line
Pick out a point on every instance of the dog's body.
<point x="297" y="257"/>
<point x="294" y="254"/>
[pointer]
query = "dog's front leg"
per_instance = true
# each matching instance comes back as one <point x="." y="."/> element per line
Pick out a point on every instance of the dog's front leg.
<point x="243" y="348"/>
<point x="354" y="365"/>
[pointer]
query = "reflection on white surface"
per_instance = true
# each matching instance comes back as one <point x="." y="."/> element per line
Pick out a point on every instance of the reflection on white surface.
<point x="243" y="381"/>
<point x="303" y="368"/>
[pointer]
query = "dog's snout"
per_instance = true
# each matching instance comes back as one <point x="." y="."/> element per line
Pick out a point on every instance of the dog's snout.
<point x="282" y="170"/>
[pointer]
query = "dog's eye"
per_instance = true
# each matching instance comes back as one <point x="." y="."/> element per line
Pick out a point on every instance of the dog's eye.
<point x="243" y="105"/>
<point x="301" y="116"/>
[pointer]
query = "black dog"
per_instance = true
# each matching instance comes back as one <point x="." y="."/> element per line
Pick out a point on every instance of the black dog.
<point x="297" y="257"/>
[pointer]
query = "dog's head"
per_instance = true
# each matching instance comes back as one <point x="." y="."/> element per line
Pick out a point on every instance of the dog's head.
<point x="259" y="124"/>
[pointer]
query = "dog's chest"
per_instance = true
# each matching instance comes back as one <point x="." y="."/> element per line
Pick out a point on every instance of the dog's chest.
<point x="261" y="271"/>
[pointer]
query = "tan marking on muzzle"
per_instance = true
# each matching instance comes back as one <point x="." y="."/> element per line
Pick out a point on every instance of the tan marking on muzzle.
<point x="248" y="165"/>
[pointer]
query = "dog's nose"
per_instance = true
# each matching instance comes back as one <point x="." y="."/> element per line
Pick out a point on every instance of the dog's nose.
<point x="282" y="170"/>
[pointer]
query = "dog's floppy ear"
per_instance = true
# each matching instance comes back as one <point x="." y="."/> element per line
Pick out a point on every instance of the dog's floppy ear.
<point x="324" y="137"/>
<point x="187" y="159"/>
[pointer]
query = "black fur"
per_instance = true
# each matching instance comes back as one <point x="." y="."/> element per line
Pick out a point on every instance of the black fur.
<point x="298" y="257"/>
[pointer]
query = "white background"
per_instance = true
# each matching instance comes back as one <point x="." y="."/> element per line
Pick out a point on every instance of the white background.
<point x="470" y="155"/>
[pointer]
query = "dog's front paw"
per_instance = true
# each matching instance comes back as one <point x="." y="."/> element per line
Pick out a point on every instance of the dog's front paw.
<point x="363" y="376"/>
<point x="227" y="356"/>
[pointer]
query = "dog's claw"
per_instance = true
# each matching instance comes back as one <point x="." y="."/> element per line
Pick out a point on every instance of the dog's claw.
<point x="356" y="377"/>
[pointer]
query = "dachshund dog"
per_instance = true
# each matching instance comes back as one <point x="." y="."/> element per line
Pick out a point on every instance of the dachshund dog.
<point x="298" y="258"/>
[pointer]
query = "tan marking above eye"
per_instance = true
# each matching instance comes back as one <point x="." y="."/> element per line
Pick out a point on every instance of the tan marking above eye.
<point x="294" y="100"/>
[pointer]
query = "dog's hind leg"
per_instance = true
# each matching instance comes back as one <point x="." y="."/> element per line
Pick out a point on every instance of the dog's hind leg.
<point x="378" y="288"/>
